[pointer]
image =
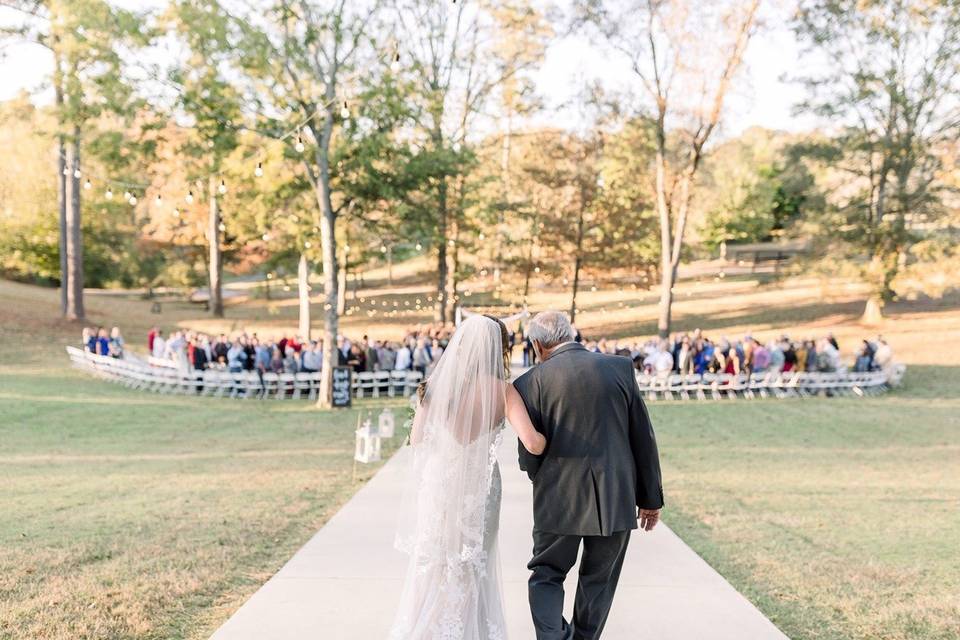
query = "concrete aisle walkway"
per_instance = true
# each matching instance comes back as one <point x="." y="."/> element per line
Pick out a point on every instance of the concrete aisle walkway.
<point x="345" y="582"/>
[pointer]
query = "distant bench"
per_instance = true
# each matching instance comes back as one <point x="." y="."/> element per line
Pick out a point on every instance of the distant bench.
<point x="163" y="376"/>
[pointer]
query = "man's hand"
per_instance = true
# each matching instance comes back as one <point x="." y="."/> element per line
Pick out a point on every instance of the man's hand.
<point x="648" y="518"/>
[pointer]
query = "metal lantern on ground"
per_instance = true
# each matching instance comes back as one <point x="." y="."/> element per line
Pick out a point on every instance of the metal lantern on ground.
<point x="386" y="423"/>
<point x="368" y="444"/>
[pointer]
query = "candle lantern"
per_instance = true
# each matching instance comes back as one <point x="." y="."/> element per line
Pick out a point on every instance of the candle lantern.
<point x="386" y="423"/>
<point x="368" y="444"/>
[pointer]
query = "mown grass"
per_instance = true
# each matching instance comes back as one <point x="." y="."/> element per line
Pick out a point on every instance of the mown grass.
<point x="838" y="518"/>
<point x="129" y="515"/>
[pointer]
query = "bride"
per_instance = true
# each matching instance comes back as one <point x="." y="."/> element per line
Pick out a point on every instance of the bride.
<point x="451" y="507"/>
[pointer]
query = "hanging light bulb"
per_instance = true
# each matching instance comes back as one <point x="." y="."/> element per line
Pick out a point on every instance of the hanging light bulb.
<point x="481" y="236"/>
<point x="307" y="244"/>
<point x="395" y="65"/>
<point x="88" y="185"/>
<point x="258" y="172"/>
<point x="66" y="171"/>
<point x="299" y="146"/>
<point x="383" y="248"/>
<point x="77" y="173"/>
<point x="127" y="195"/>
<point x="345" y="111"/>
<point x="222" y="188"/>
<point x="222" y="227"/>
<point x="109" y="194"/>
<point x="176" y="213"/>
<point x="266" y="237"/>
<point x="132" y="200"/>
<point x="419" y="246"/>
<point x="159" y="200"/>
<point x="189" y="197"/>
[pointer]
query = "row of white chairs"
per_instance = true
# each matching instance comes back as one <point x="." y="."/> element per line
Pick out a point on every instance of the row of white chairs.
<point x="787" y="384"/>
<point x="247" y="384"/>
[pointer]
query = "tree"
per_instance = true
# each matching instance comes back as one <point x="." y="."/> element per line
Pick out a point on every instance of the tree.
<point x="892" y="86"/>
<point x="302" y="55"/>
<point x="756" y="188"/>
<point x="685" y="76"/>
<point x="90" y="42"/>
<point x="213" y="106"/>
<point x="461" y="53"/>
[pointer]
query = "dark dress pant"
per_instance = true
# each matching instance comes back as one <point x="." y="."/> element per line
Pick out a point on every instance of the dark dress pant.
<point x="553" y="557"/>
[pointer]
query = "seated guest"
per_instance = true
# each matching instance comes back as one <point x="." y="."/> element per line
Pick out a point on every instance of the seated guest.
<point x="220" y="349"/>
<point x="103" y="342"/>
<point x="387" y="356"/>
<point x="290" y="364"/>
<point x="116" y="343"/>
<point x="310" y="359"/>
<point x="236" y="357"/>
<point x="89" y="340"/>
<point x="404" y="358"/>
<point x="159" y="345"/>
<point x="262" y="360"/>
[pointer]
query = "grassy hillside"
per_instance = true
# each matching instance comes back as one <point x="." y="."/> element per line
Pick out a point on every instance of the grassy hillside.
<point x="128" y="515"/>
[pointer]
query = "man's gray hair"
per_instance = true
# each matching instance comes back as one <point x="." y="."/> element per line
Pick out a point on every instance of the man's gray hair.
<point x="550" y="328"/>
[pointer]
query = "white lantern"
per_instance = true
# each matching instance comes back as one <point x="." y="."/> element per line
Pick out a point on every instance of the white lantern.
<point x="368" y="444"/>
<point x="386" y="423"/>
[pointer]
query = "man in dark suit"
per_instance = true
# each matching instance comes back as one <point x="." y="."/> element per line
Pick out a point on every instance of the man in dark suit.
<point x="599" y="475"/>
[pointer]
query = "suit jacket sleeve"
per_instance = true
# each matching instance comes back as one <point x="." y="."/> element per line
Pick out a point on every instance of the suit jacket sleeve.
<point x="643" y="446"/>
<point x="528" y="461"/>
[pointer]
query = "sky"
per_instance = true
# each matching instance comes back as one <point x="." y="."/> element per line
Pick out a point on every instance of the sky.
<point x="762" y="96"/>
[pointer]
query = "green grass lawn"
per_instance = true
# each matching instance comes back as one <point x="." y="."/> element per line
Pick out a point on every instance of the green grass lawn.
<point x="838" y="518"/>
<point x="131" y="515"/>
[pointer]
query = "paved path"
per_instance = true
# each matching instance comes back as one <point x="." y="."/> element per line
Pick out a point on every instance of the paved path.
<point x="345" y="582"/>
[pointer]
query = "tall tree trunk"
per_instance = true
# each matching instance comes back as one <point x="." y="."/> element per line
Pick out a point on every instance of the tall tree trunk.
<point x="62" y="202"/>
<point x="505" y="181"/>
<point x="215" y="269"/>
<point x="577" y="264"/>
<point x="303" y="291"/>
<point x="390" y="265"/>
<point x="663" y="212"/>
<point x="440" y="313"/>
<point x="75" y="307"/>
<point x="328" y="245"/>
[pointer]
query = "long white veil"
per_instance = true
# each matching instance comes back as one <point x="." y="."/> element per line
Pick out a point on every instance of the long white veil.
<point x="449" y="517"/>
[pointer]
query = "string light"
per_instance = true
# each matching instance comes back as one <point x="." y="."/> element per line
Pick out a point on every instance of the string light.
<point x="132" y="200"/>
<point x="258" y="172"/>
<point x="66" y="171"/>
<point x="176" y="213"/>
<point x="222" y="227"/>
<point x="307" y="244"/>
<point x="189" y="197"/>
<point x="77" y="173"/>
<point x="395" y="65"/>
<point x="159" y="200"/>
<point x="88" y="185"/>
<point x="127" y="195"/>
<point x="419" y="246"/>
<point x="299" y="146"/>
<point x="222" y="188"/>
<point x="383" y="248"/>
<point x="109" y="194"/>
<point x="345" y="111"/>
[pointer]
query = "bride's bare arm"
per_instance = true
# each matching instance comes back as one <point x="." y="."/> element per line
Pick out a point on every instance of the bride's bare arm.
<point x="533" y="441"/>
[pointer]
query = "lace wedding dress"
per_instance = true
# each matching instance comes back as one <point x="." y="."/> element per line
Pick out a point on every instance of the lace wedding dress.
<point x="451" y="508"/>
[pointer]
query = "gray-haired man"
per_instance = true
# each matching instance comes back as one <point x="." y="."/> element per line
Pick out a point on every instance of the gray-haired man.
<point x="599" y="475"/>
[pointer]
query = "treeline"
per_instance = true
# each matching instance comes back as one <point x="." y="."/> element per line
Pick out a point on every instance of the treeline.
<point x="324" y="137"/>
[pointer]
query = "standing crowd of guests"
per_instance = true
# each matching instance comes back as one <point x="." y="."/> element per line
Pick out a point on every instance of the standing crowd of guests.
<point x="422" y="345"/>
<point x="696" y="353"/>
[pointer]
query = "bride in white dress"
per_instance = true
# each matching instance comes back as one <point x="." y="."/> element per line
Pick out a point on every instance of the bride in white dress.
<point x="451" y="507"/>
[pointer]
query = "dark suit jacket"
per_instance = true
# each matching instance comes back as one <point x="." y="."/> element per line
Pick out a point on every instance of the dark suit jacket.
<point x="601" y="461"/>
